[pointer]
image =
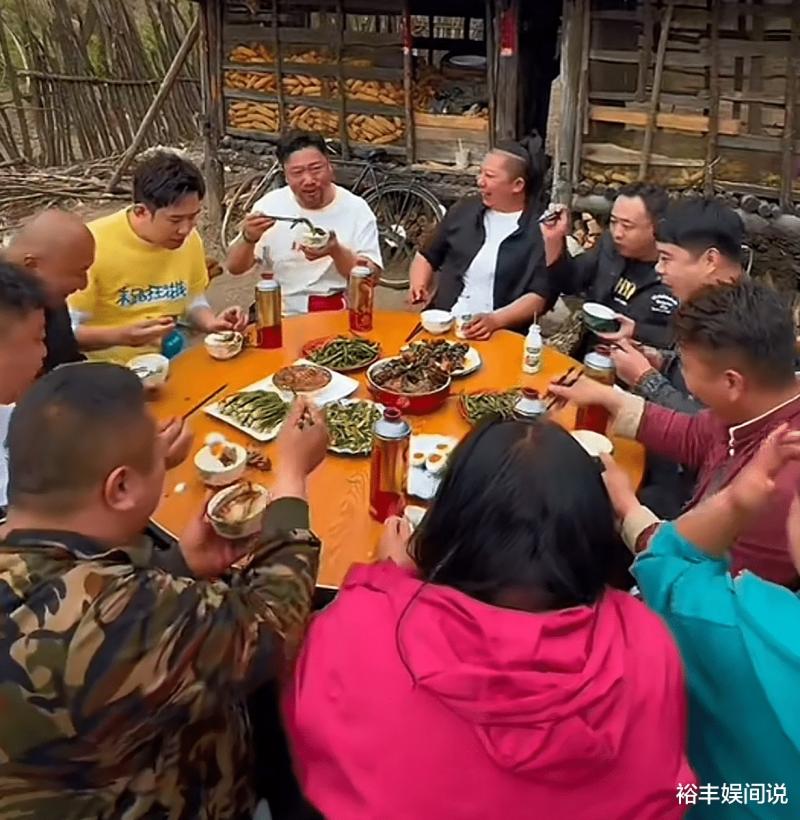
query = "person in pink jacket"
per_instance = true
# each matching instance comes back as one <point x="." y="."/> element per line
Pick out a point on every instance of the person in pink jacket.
<point x="489" y="671"/>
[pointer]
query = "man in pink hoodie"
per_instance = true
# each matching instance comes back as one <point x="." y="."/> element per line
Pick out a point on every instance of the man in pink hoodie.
<point x="737" y="345"/>
<point x="490" y="672"/>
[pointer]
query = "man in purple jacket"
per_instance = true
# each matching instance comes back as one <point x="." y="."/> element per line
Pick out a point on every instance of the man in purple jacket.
<point x="737" y="346"/>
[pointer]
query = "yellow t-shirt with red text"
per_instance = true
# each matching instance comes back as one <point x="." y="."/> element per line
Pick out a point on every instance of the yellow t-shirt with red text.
<point x="133" y="281"/>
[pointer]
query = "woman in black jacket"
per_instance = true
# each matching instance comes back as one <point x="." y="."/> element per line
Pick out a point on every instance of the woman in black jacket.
<point x="487" y="258"/>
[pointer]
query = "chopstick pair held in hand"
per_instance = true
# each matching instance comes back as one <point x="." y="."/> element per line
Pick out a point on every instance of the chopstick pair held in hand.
<point x="556" y="402"/>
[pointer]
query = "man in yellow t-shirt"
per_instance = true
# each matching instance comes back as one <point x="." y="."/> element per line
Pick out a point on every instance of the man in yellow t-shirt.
<point x="150" y="267"/>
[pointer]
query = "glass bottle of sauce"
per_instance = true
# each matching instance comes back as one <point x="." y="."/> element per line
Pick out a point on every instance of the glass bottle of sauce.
<point x="389" y="467"/>
<point x="594" y="416"/>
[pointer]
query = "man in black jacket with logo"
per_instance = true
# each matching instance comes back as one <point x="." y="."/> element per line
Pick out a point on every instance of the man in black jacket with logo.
<point x="487" y="258"/>
<point x="620" y="272"/>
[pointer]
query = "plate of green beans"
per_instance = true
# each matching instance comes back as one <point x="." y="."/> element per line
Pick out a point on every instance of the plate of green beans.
<point x="350" y="425"/>
<point x="483" y="404"/>
<point x="342" y="353"/>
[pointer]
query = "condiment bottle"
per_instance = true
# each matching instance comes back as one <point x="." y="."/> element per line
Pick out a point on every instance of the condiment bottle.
<point x="269" y="333"/>
<point x="389" y="467"/>
<point x="361" y="298"/>
<point x="594" y="416"/>
<point x="529" y="406"/>
<point x="532" y="357"/>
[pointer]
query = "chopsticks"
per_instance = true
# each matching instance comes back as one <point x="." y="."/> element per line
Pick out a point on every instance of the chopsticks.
<point x="556" y="402"/>
<point x="417" y="329"/>
<point x="203" y="401"/>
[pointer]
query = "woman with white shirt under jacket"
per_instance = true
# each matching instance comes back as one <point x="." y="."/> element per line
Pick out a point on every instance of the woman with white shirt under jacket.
<point x="312" y="279"/>
<point x="487" y="257"/>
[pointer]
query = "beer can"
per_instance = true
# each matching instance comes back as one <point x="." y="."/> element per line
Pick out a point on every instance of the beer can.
<point x="269" y="333"/>
<point x="361" y="298"/>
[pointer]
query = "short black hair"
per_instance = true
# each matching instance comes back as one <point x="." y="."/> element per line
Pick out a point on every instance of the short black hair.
<point x="699" y="225"/>
<point x="655" y="198"/>
<point x="747" y="322"/>
<point x="164" y="178"/>
<point x="21" y="293"/>
<point x="297" y="141"/>
<point x="70" y="430"/>
<point x="521" y="507"/>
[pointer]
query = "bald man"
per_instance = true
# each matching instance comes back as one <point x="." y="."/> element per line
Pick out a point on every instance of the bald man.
<point x="59" y="249"/>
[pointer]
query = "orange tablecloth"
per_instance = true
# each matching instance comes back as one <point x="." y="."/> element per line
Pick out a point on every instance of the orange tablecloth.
<point x="339" y="489"/>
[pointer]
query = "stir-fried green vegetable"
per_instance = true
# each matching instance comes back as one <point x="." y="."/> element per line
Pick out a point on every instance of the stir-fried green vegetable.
<point x="345" y="353"/>
<point x="260" y="410"/>
<point x="350" y="425"/>
<point x="479" y="406"/>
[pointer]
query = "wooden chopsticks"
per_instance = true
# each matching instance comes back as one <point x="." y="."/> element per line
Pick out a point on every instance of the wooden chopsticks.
<point x="556" y="402"/>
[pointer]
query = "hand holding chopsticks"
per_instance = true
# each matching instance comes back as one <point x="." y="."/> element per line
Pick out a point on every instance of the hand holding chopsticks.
<point x="583" y="391"/>
<point x="568" y="379"/>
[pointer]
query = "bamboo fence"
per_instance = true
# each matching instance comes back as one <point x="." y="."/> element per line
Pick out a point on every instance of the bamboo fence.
<point x="86" y="75"/>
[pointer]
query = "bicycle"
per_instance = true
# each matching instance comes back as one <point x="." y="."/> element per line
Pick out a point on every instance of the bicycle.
<point x="406" y="211"/>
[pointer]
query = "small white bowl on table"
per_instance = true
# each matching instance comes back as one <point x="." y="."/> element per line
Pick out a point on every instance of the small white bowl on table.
<point x="436" y="322"/>
<point x="224" y="346"/>
<point x="213" y="472"/>
<point x="151" y="368"/>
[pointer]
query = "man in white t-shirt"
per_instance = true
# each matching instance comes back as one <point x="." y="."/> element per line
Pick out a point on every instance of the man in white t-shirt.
<point x="22" y="348"/>
<point x="311" y="279"/>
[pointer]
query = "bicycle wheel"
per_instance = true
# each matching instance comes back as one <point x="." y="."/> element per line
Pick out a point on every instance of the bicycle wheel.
<point x="407" y="214"/>
<point x="241" y="201"/>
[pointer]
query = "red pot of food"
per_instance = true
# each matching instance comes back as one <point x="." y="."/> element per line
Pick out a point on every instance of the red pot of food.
<point x="411" y="389"/>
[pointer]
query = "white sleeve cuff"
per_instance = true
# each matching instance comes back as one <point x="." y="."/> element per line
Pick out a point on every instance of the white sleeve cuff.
<point x="200" y="301"/>
<point x="77" y="318"/>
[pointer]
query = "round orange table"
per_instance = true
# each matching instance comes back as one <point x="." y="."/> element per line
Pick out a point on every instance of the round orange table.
<point x="339" y="490"/>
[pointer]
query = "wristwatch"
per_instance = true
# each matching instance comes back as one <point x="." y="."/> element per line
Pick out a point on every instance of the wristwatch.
<point x="649" y="382"/>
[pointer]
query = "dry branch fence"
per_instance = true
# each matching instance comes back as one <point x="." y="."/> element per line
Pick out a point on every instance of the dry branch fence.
<point x="78" y="76"/>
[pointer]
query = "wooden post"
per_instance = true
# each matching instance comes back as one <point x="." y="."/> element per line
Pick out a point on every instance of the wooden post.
<point x="408" y="85"/>
<point x="343" y="138"/>
<point x="655" y="97"/>
<point x="713" y="102"/>
<point x="571" y="34"/>
<point x="788" y="170"/>
<point x="507" y="81"/>
<point x="646" y="50"/>
<point x="490" y="39"/>
<point x="16" y="96"/>
<point x="582" y="122"/>
<point x="283" y="116"/>
<point x="155" y="106"/>
<point x="213" y="115"/>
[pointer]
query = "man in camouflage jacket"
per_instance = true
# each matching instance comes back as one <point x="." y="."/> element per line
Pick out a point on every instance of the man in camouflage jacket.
<point x="122" y="686"/>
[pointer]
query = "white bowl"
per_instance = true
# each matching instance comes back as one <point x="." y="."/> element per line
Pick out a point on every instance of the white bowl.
<point x="595" y="444"/>
<point x="316" y="241"/>
<point x="151" y="368"/>
<point x="211" y="470"/>
<point x="436" y="321"/>
<point x="244" y="527"/>
<point x="224" y="345"/>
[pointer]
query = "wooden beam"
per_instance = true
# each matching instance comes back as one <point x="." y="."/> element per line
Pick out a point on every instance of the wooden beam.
<point x="788" y="170"/>
<point x="507" y="20"/>
<point x="210" y="17"/>
<point x="663" y="38"/>
<point x="713" y="105"/>
<point x="408" y="85"/>
<point x="571" y="28"/>
<point x="693" y="123"/>
<point x="645" y="49"/>
<point x="490" y="40"/>
<point x="583" y="89"/>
